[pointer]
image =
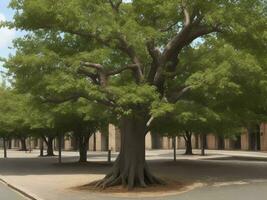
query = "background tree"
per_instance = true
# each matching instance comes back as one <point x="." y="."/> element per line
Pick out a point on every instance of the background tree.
<point x="14" y="112"/>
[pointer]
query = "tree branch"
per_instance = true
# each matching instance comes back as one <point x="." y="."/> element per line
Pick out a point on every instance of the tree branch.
<point x="169" y="27"/>
<point x="174" y="42"/>
<point x="129" y="50"/>
<point x="174" y="45"/>
<point x="115" y="6"/>
<point x="92" y="76"/>
<point x="102" y="75"/>
<point x="118" y="71"/>
<point x="175" y="97"/>
<point x="92" y="65"/>
<point x="155" y="55"/>
<point x="75" y="97"/>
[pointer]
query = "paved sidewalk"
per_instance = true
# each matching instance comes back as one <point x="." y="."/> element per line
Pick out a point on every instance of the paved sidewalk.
<point x="44" y="179"/>
<point x="7" y="193"/>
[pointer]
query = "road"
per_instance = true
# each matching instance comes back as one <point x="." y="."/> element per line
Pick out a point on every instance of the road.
<point x="8" y="194"/>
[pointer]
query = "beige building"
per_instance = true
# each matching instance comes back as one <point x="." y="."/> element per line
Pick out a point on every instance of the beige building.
<point x="111" y="140"/>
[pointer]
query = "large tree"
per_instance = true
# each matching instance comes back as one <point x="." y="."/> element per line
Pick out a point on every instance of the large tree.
<point x="125" y="55"/>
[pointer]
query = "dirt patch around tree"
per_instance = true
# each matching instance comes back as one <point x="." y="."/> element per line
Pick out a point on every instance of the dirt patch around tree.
<point x="170" y="188"/>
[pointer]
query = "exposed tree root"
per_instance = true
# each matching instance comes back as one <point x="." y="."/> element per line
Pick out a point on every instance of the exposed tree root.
<point x="132" y="176"/>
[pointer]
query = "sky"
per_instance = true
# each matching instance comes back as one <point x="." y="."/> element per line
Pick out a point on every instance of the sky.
<point x="6" y="35"/>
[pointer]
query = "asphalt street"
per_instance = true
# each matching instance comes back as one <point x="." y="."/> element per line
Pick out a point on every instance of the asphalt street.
<point x="8" y="194"/>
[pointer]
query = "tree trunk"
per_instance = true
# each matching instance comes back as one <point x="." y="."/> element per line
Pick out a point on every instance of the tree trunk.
<point x="60" y="149"/>
<point x="41" y="147"/>
<point x="23" y="144"/>
<point x="188" y="143"/>
<point x="5" y="149"/>
<point x="83" y="147"/>
<point x="174" y="147"/>
<point x="203" y="137"/>
<point x="50" y="150"/>
<point x="94" y="148"/>
<point x="130" y="168"/>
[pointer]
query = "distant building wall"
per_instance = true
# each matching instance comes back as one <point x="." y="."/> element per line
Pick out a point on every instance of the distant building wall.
<point x="211" y="141"/>
<point x="148" y="141"/>
<point x="228" y="144"/>
<point x="101" y="141"/>
<point x="263" y="134"/>
<point x="245" y="140"/>
<point x="114" y="142"/>
<point x="111" y="140"/>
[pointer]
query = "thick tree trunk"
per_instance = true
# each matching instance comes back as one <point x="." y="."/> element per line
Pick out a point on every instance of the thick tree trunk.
<point x="83" y="147"/>
<point x="49" y="143"/>
<point x="188" y="143"/>
<point x="130" y="168"/>
<point x="23" y="144"/>
<point x="5" y="149"/>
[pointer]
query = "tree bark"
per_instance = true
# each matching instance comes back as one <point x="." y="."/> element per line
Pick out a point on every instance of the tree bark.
<point x="94" y="141"/>
<point x="130" y="168"/>
<point x="203" y="137"/>
<point x="174" y="147"/>
<point x="59" y="149"/>
<point x="83" y="147"/>
<point x="188" y="143"/>
<point x="5" y="149"/>
<point x="41" y="147"/>
<point x="49" y="143"/>
<point x="23" y="144"/>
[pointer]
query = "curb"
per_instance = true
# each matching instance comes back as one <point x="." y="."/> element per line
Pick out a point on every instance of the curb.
<point x="31" y="197"/>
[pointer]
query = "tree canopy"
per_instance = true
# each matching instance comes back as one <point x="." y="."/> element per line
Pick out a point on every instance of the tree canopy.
<point x="142" y="60"/>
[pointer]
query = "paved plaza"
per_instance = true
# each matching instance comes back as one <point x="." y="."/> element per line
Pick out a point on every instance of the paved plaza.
<point x="219" y="175"/>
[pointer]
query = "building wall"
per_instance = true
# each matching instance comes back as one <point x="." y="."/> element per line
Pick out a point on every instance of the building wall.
<point x="148" y="141"/>
<point x="263" y="133"/>
<point x="114" y="142"/>
<point x="166" y="143"/>
<point x="211" y="142"/>
<point x="228" y="144"/>
<point x="180" y="142"/>
<point x="68" y="144"/>
<point x="101" y="141"/>
<point x="245" y="140"/>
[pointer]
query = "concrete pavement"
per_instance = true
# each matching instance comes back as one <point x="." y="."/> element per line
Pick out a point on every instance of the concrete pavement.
<point x="221" y="172"/>
<point x="7" y="193"/>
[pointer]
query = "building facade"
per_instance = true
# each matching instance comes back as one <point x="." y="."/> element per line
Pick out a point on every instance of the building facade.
<point x="253" y="141"/>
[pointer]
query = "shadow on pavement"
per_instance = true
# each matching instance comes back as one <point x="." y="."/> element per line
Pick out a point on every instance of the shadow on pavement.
<point x="219" y="169"/>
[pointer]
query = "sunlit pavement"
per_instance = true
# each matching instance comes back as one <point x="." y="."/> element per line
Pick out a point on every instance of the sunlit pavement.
<point x="230" y="175"/>
<point x="8" y="194"/>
